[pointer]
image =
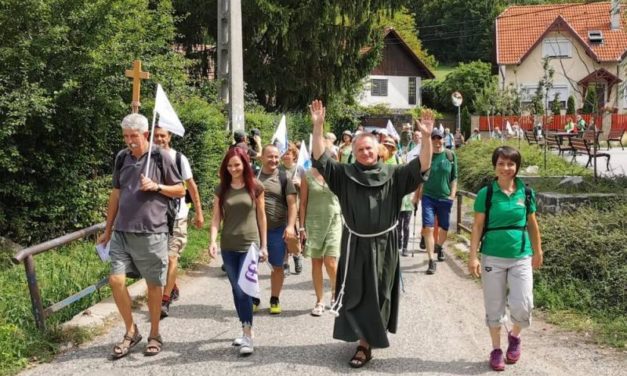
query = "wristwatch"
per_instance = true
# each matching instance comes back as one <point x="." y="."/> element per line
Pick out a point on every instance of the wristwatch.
<point x="158" y="187"/>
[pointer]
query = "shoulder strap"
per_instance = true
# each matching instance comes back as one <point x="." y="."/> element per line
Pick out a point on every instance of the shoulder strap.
<point x="449" y="155"/>
<point x="119" y="160"/>
<point x="488" y="204"/>
<point x="283" y="180"/>
<point x="178" y="163"/>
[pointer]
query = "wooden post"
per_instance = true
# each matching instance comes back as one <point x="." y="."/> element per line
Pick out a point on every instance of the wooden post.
<point x="137" y="75"/>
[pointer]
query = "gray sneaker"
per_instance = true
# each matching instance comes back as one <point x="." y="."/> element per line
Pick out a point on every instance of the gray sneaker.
<point x="432" y="266"/>
<point x="238" y="341"/>
<point x="246" y="348"/>
<point x="440" y="251"/>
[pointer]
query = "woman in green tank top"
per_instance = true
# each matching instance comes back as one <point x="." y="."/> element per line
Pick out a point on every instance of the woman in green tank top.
<point x="321" y="226"/>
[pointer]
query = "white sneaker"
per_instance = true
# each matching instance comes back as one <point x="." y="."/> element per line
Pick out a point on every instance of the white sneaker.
<point x="238" y="341"/>
<point x="246" y="347"/>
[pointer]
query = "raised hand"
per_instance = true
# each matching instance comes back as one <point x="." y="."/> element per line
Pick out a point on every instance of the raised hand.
<point x="425" y="124"/>
<point x="318" y="112"/>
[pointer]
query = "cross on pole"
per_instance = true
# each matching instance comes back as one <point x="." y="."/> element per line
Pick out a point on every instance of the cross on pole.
<point x="137" y="75"/>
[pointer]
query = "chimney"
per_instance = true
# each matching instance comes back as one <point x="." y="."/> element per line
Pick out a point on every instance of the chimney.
<point x="615" y="14"/>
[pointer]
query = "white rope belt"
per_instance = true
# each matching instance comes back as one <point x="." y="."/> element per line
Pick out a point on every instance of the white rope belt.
<point x="335" y="308"/>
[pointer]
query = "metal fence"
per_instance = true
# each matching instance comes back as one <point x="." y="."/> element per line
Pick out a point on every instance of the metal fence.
<point x="27" y="256"/>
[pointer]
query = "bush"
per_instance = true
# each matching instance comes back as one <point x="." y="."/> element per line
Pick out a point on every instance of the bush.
<point x="469" y="79"/>
<point x="205" y="142"/>
<point x="570" y="105"/>
<point x="585" y="265"/>
<point x="475" y="163"/>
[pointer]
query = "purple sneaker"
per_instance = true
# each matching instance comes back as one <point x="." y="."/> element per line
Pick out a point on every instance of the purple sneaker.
<point x="513" y="349"/>
<point x="496" y="360"/>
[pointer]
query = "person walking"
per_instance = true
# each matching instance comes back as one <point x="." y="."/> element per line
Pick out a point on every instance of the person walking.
<point x="506" y="232"/>
<point x="295" y="173"/>
<point x="239" y="204"/>
<point x="370" y="194"/>
<point x="280" y="207"/>
<point x="178" y="240"/>
<point x="137" y="227"/>
<point x="438" y="195"/>
<point x="321" y="232"/>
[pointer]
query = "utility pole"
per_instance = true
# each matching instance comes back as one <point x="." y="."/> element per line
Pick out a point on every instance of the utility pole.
<point x="230" y="61"/>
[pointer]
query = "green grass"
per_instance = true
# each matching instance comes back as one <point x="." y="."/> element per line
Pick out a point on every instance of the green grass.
<point x="60" y="273"/>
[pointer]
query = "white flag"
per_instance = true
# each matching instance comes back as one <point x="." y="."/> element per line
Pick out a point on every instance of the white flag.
<point x="280" y="136"/>
<point x="392" y="131"/>
<point x="248" y="277"/>
<point x="303" y="157"/>
<point x="168" y="118"/>
<point x="509" y="129"/>
<point x="413" y="153"/>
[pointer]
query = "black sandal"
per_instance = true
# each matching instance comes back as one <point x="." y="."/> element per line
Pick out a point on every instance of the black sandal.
<point x="360" y="361"/>
<point x="123" y="348"/>
<point x="154" y="346"/>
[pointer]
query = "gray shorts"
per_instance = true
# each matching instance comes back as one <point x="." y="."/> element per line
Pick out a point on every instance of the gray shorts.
<point x="507" y="282"/>
<point x="143" y="254"/>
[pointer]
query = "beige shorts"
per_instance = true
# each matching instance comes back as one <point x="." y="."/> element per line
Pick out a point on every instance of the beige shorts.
<point x="178" y="240"/>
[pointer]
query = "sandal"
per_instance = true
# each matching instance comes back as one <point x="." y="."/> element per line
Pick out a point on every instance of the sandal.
<point x="318" y="310"/>
<point x="154" y="346"/>
<point x="358" y="361"/>
<point x="123" y="348"/>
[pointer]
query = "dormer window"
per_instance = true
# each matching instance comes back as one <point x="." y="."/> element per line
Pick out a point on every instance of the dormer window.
<point x="556" y="48"/>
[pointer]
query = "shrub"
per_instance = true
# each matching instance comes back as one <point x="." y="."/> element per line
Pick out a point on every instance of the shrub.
<point x="475" y="163"/>
<point x="586" y="272"/>
<point x="570" y="105"/>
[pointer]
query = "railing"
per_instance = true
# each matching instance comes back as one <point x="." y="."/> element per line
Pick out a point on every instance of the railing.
<point x="552" y="123"/>
<point x="460" y="200"/>
<point x="26" y="255"/>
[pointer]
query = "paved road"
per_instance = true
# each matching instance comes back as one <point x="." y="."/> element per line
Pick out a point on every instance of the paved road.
<point x="618" y="161"/>
<point x="441" y="333"/>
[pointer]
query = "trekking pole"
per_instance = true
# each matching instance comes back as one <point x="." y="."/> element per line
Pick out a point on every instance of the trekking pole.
<point x="413" y="249"/>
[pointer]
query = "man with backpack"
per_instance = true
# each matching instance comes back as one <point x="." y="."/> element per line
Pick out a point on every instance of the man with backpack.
<point x="137" y="228"/>
<point x="438" y="195"/>
<point x="280" y="207"/>
<point x="178" y="239"/>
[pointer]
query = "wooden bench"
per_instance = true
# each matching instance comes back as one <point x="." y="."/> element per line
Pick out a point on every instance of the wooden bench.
<point x="616" y="135"/>
<point x="555" y="142"/>
<point x="588" y="136"/>
<point x="531" y="138"/>
<point x="584" y="148"/>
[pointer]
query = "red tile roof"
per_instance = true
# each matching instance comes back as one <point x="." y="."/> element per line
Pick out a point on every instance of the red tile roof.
<point x="520" y="28"/>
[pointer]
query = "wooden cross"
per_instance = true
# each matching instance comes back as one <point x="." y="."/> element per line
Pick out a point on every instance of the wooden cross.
<point x="137" y="75"/>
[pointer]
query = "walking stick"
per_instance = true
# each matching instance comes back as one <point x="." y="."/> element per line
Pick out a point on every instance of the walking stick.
<point x="413" y="249"/>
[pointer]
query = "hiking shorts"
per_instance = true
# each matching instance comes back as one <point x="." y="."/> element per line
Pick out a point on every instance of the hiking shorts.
<point x="276" y="246"/>
<point x="178" y="240"/>
<point x="507" y="282"/>
<point x="143" y="254"/>
<point x="432" y="207"/>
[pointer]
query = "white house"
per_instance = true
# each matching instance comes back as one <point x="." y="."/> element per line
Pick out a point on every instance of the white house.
<point x="397" y="80"/>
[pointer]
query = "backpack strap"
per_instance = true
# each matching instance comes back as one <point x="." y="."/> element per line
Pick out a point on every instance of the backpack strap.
<point x="179" y="163"/>
<point x="449" y="155"/>
<point x="488" y="204"/>
<point x="283" y="180"/>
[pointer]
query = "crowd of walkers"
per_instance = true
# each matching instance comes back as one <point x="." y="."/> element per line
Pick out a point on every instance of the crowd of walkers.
<point x="349" y="214"/>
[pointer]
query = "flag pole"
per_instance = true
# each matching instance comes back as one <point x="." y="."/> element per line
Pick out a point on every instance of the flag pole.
<point x="152" y="135"/>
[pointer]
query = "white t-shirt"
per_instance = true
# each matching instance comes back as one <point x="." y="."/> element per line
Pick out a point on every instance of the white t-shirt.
<point x="186" y="174"/>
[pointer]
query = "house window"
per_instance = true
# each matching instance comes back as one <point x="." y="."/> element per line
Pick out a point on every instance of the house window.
<point x="562" y="91"/>
<point x="411" y="98"/>
<point x="378" y="88"/>
<point x="527" y="92"/>
<point x="556" y="47"/>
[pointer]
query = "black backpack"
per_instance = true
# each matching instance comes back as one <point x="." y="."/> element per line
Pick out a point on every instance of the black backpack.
<point x="488" y="204"/>
<point x="173" y="203"/>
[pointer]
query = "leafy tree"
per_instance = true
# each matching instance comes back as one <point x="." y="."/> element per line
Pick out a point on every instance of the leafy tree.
<point x="403" y="21"/>
<point x="570" y="105"/>
<point x="62" y="96"/>
<point x="469" y="79"/>
<point x="466" y="122"/>
<point x="295" y="51"/>
<point x="590" y="104"/>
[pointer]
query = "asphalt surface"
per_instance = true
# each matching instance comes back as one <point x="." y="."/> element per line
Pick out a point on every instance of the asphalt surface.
<point x="441" y="332"/>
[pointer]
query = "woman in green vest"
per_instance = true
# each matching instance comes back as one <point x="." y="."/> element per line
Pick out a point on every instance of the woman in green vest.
<point x="506" y="227"/>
